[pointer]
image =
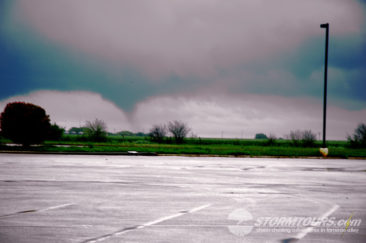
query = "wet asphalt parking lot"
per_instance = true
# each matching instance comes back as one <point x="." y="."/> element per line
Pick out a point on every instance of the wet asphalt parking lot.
<point x="80" y="198"/>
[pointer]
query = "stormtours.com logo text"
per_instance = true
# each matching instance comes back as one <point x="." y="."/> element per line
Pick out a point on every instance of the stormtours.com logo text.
<point x="245" y="223"/>
<point x="305" y="222"/>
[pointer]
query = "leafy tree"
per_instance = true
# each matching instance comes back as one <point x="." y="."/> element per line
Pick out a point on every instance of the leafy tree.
<point x="96" y="130"/>
<point x="304" y="138"/>
<point x="125" y="133"/>
<point x="24" y="123"/>
<point x="260" y="136"/>
<point x="157" y="133"/>
<point x="140" y="134"/>
<point x="359" y="136"/>
<point x="295" y="137"/>
<point x="179" y="130"/>
<point x="55" y="133"/>
<point x="272" y="139"/>
<point x="308" y="138"/>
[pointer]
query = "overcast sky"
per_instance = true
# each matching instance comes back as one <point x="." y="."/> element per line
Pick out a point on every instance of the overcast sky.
<point x="227" y="68"/>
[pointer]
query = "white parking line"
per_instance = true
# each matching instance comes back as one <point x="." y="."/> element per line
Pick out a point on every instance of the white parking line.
<point x="37" y="210"/>
<point x="147" y="224"/>
<point x="309" y="229"/>
<point x="56" y="207"/>
<point x="303" y="233"/>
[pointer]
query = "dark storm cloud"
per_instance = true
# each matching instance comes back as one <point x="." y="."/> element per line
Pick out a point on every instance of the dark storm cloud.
<point x="132" y="52"/>
<point x="129" y="50"/>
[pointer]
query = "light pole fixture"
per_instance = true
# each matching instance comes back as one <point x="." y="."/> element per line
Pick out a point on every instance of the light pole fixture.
<point x="326" y="26"/>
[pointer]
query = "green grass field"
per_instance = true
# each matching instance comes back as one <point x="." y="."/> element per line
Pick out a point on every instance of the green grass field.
<point x="194" y="146"/>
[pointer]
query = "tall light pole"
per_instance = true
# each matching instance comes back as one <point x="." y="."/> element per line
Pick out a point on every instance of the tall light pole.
<point x="326" y="26"/>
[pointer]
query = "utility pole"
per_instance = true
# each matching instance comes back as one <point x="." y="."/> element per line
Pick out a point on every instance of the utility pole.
<point x="326" y="26"/>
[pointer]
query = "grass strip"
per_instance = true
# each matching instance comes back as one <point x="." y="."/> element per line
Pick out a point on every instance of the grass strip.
<point x="192" y="149"/>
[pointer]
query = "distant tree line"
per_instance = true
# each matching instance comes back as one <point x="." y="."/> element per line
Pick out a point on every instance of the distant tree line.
<point x="27" y="124"/>
<point x="304" y="138"/>
<point x="81" y="131"/>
